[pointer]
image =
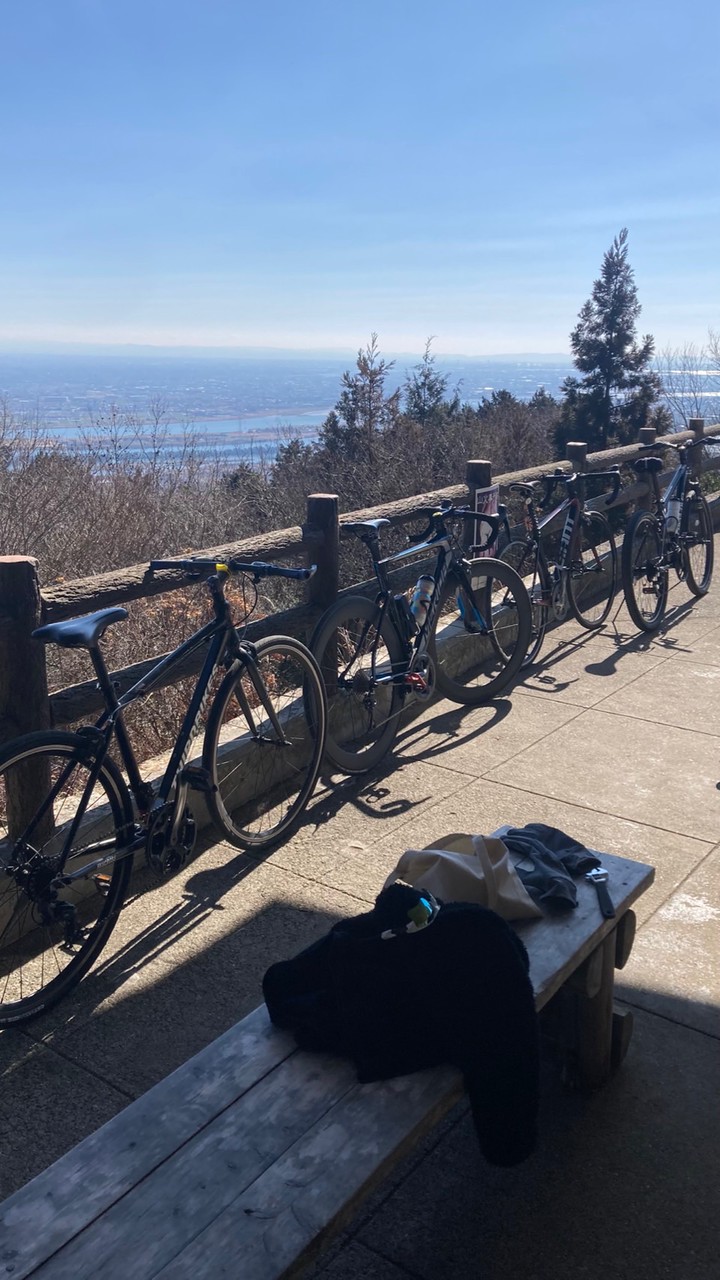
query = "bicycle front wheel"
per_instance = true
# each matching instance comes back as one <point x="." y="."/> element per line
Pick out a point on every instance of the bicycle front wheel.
<point x="359" y="650"/>
<point x="524" y="558"/>
<point x="698" y="545"/>
<point x="264" y="742"/>
<point x="481" y="631"/>
<point x="50" y="932"/>
<point x="644" y="575"/>
<point x="593" y="573"/>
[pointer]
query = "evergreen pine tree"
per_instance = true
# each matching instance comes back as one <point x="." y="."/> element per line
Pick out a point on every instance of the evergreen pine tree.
<point x="424" y="391"/>
<point x="618" y="390"/>
<point x="362" y="410"/>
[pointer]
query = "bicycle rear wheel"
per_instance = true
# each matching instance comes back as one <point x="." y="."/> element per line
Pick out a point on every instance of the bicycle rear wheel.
<point x="50" y="936"/>
<point x="644" y="575"/>
<point x="698" y="545"/>
<point x="264" y="742"/>
<point x="523" y="557"/>
<point x="593" y="574"/>
<point x="480" y="636"/>
<point x="358" y="654"/>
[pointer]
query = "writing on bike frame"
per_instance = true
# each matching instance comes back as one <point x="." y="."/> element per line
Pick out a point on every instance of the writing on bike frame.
<point x="435" y="537"/>
<point x="681" y="477"/>
<point x="572" y="503"/>
<point x="224" y="647"/>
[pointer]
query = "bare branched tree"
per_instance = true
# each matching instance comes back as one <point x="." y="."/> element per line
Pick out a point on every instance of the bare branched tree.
<point x="691" y="380"/>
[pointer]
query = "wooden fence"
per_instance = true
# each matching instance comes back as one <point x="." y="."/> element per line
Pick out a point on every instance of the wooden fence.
<point x="24" y="605"/>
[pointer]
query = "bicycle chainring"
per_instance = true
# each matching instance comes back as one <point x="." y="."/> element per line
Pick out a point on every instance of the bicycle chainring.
<point x="163" y="857"/>
<point x="422" y="681"/>
<point x="559" y="600"/>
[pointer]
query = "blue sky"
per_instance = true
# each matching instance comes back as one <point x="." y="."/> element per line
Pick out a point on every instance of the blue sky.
<point x="302" y="174"/>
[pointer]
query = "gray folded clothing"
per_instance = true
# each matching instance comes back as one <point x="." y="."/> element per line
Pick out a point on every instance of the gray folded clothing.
<point x="548" y="861"/>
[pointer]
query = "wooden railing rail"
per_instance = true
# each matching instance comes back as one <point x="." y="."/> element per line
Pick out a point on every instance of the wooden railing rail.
<point x="24" y="702"/>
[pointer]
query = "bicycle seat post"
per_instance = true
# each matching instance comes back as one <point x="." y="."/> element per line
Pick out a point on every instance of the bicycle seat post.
<point x="105" y="684"/>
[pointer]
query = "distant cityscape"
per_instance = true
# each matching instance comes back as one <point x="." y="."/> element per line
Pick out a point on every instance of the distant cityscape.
<point x="228" y="395"/>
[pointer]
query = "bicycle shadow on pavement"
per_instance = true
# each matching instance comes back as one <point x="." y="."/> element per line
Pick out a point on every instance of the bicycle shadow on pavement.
<point x="541" y="672"/>
<point x="444" y="731"/>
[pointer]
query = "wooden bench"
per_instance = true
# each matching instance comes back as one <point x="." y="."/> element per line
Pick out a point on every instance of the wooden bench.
<point x="244" y="1160"/>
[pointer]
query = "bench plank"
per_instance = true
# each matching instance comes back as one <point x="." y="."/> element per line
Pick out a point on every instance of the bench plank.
<point x="283" y="1218"/>
<point x="57" y="1204"/>
<point x="557" y="946"/>
<point x="252" y="1147"/>
<point x="142" y="1232"/>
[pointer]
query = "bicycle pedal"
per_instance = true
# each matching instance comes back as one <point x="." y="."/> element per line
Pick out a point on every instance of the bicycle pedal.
<point x="417" y="682"/>
<point x="198" y="779"/>
<point x="102" y="884"/>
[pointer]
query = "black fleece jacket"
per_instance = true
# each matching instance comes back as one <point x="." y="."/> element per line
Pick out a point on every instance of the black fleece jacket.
<point x="456" y="991"/>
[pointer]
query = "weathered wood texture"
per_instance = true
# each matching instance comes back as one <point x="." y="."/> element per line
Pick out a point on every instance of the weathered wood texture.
<point x="316" y="542"/>
<point x="78" y="701"/>
<point x="322" y="541"/>
<point x="23" y="685"/>
<point x="245" y="1159"/>
<point x="23" y="681"/>
<point x="84" y="595"/>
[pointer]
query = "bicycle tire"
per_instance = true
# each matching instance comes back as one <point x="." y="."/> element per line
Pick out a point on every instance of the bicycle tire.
<point x="592" y="581"/>
<point x="33" y="948"/>
<point x="478" y="656"/>
<point x="698" y="545"/>
<point x="524" y="558"/>
<point x="644" y="575"/>
<point x="363" y="715"/>
<point x="258" y="793"/>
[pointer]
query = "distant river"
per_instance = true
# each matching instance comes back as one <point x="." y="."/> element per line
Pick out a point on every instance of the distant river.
<point x="246" y="437"/>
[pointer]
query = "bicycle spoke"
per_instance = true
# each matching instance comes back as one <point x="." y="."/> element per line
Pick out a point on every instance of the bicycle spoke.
<point x="50" y="931"/>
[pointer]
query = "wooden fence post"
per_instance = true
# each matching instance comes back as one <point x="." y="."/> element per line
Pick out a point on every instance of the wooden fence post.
<point x="576" y="454"/>
<point x="478" y="475"/>
<point x="24" y="703"/>
<point x="321" y="535"/>
<point x="646" y="436"/>
<point x="697" y="426"/>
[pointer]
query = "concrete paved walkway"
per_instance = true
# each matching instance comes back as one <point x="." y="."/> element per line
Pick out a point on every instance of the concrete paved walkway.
<point x="616" y="739"/>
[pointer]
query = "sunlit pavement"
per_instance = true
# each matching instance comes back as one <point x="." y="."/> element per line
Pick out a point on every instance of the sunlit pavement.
<point x="613" y="737"/>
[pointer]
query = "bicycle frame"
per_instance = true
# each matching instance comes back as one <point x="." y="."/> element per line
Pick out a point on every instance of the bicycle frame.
<point x="676" y="491"/>
<point x="225" y="647"/>
<point x="447" y="560"/>
<point x="572" y="505"/>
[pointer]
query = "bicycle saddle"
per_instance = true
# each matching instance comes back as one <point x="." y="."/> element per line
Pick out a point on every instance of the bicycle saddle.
<point x="361" y="528"/>
<point x="79" y="633"/>
<point x="647" y="464"/>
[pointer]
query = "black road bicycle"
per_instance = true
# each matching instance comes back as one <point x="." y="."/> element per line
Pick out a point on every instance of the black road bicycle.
<point x="582" y="576"/>
<point x="373" y="653"/>
<point x="65" y="862"/>
<point x="676" y="533"/>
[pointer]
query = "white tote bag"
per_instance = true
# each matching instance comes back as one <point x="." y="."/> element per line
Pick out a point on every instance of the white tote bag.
<point x="463" y="868"/>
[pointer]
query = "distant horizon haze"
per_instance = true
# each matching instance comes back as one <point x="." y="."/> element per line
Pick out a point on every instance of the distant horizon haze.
<point x="138" y="350"/>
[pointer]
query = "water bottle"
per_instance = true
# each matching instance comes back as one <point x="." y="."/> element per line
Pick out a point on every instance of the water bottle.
<point x="672" y="518"/>
<point x="421" y="598"/>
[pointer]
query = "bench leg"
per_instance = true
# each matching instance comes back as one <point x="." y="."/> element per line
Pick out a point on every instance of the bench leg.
<point x="594" y="1023"/>
<point x="622" y="1029"/>
<point x="584" y="1030"/>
